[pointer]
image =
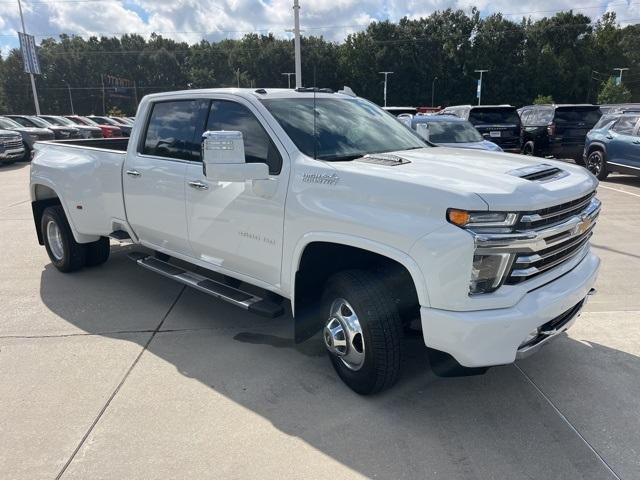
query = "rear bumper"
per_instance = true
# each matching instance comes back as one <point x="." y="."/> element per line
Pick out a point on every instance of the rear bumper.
<point x="484" y="338"/>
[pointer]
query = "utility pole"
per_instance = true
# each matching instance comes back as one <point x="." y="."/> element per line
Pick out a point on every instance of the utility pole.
<point x="296" y="42"/>
<point x="386" y="74"/>
<point x="433" y="86"/>
<point x="618" y="69"/>
<point x="70" y="97"/>
<point x="288" y="74"/>
<point x="104" y="100"/>
<point x="33" y="80"/>
<point x="479" y="94"/>
<point x="238" y="76"/>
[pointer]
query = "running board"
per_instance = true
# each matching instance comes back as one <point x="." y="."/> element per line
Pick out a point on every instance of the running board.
<point x="239" y="298"/>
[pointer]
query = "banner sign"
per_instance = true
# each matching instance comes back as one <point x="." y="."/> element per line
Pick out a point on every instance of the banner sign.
<point x="119" y="87"/>
<point x="29" y="56"/>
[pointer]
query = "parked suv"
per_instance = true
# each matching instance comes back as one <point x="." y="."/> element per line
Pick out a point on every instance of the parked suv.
<point x="614" y="145"/>
<point x="499" y="124"/>
<point x="557" y="130"/>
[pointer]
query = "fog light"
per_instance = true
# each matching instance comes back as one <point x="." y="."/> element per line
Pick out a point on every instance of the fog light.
<point x="488" y="272"/>
<point x="531" y="336"/>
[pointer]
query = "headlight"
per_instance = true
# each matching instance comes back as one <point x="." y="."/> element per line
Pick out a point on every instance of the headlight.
<point x="488" y="272"/>
<point x="489" y="269"/>
<point x="497" y="222"/>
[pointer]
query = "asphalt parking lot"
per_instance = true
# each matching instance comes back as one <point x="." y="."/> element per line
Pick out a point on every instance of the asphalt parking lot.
<point x="115" y="372"/>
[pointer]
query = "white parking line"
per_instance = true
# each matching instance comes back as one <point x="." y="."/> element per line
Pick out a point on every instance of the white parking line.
<point x="618" y="190"/>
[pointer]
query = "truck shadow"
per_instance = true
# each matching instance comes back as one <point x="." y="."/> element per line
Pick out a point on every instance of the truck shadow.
<point x="491" y="426"/>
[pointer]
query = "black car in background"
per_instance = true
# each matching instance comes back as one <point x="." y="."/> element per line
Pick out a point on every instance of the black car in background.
<point x="60" y="133"/>
<point x="29" y="134"/>
<point x="126" y="129"/>
<point x="499" y="124"/>
<point x="557" y="130"/>
<point x="86" y="131"/>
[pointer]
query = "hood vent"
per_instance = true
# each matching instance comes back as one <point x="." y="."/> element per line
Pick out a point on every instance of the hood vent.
<point x="539" y="173"/>
<point x="385" y="159"/>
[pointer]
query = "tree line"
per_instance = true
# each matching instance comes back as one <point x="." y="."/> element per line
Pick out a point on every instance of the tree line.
<point x="567" y="57"/>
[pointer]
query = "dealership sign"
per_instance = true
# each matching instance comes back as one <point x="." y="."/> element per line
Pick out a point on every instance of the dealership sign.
<point x="29" y="56"/>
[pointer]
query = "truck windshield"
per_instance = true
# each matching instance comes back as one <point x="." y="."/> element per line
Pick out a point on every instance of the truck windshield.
<point x="344" y="128"/>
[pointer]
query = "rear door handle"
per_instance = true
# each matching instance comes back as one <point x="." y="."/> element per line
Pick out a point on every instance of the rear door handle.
<point x="133" y="173"/>
<point x="198" y="185"/>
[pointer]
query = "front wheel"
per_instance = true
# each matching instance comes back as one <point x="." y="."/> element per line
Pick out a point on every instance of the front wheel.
<point x="597" y="164"/>
<point x="362" y="331"/>
<point x="529" y="149"/>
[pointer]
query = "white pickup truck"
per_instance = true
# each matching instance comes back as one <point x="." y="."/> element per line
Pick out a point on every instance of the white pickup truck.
<point x="264" y="197"/>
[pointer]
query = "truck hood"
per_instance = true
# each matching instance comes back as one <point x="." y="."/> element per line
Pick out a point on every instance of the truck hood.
<point x="494" y="176"/>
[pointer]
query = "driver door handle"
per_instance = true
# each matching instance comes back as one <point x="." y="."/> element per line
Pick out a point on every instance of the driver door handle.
<point x="198" y="185"/>
<point x="133" y="173"/>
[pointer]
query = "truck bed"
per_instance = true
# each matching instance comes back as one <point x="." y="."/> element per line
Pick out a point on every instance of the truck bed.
<point x="116" y="144"/>
<point x="87" y="175"/>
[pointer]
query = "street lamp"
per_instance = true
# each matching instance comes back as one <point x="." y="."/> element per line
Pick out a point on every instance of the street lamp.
<point x="433" y="86"/>
<point x="386" y="74"/>
<point x="479" y="94"/>
<point x="620" y="75"/>
<point x="288" y="74"/>
<point x="70" y="97"/>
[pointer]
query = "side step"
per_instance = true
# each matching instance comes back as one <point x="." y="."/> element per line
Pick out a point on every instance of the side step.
<point x="120" y="236"/>
<point x="239" y="298"/>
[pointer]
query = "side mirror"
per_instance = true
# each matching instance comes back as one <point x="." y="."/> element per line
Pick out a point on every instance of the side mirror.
<point x="223" y="158"/>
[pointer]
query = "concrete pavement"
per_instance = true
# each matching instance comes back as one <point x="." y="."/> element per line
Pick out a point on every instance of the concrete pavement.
<point x="115" y="372"/>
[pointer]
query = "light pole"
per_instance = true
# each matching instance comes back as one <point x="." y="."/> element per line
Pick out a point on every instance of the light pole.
<point x="386" y="74"/>
<point x="620" y="75"/>
<point x="296" y="42"/>
<point x="288" y="74"/>
<point x="33" y="81"/>
<point x="70" y="97"/>
<point x="433" y="89"/>
<point x="479" y="94"/>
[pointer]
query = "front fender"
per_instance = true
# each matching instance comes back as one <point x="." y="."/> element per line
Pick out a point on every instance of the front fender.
<point x="365" y="244"/>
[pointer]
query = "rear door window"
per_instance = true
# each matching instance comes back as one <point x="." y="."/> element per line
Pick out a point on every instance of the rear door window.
<point x="175" y="129"/>
<point x="626" y="125"/>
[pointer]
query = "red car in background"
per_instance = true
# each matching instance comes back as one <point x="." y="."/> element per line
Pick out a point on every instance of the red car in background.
<point x="108" y="131"/>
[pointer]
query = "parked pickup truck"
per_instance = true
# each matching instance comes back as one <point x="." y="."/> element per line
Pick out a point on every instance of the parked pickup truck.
<point x="325" y="202"/>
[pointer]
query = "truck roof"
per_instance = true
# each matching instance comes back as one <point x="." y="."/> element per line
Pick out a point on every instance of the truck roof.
<point x="260" y="93"/>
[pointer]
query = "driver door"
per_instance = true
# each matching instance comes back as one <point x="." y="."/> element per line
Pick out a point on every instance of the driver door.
<point x="238" y="226"/>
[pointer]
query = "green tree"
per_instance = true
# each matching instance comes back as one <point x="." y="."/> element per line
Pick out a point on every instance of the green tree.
<point x="613" y="93"/>
<point x="543" y="100"/>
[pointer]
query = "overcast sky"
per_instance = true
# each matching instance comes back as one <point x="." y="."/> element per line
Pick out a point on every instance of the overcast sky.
<point x="192" y="20"/>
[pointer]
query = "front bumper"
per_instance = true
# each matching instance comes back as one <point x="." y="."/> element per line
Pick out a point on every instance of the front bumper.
<point x="485" y="338"/>
<point x="13" y="154"/>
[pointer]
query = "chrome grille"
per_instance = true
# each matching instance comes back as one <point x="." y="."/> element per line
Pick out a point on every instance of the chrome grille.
<point x="564" y="248"/>
<point x="13" y="143"/>
<point x="553" y="215"/>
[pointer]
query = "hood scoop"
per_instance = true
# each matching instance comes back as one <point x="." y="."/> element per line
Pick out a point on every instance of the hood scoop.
<point x="386" y="159"/>
<point x="542" y="172"/>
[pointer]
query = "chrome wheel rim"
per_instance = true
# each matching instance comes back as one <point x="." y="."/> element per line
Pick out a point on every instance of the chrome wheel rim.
<point x="594" y="163"/>
<point x="54" y="236"/>
<point x="343" y="335"/>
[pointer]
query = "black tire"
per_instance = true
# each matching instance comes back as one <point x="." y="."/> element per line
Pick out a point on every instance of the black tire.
<point x="381" y="328"/>
<point x="98" y="252"/>
<point x="597" y="164"/>
<point x="529" y="149"/>
<point x="71" y="254"/>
